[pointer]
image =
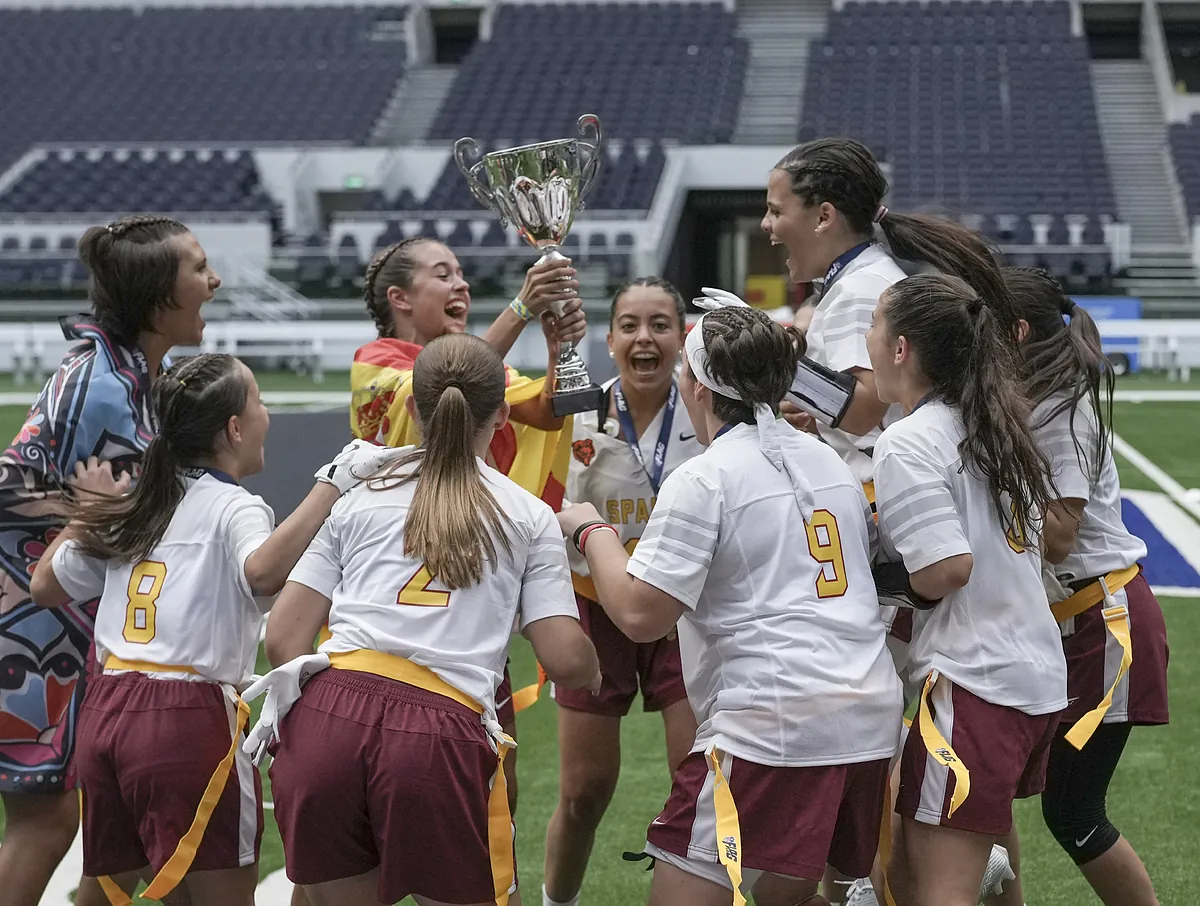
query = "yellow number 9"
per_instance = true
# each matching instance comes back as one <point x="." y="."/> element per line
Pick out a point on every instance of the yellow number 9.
<point x="825" y="545"/>
<point x="145" y="585"/>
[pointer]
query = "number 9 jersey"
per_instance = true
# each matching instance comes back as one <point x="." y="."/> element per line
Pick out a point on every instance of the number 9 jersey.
<point x="188" y="604"/>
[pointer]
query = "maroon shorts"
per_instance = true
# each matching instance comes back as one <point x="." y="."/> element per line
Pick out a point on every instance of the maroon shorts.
<point x="1005" y="751"/>
<point x="793" y="821"/>
<point x="145" y="752"/>
<point x="373" y="773"/>
<point x="506" y="714"/>
<point x="625" y="666"/>
<point x="1093" y="656"/>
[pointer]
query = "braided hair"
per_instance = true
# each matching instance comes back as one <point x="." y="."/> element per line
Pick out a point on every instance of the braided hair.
<point x="845" y="174"/>
<point x="133" y="266"/>
<point x="752" y="353"/>
<point x="391" y="266"/>
<point x="194" y="402"/>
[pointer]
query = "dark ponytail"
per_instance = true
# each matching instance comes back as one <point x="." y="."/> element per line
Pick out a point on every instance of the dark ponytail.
<point x="969" y="360"/>
<point x="752" y="353"/>
<point x="845" y="174"/>
<point x="194" y="402"/>
<point x="133" y="269"/>
<point x="1062" y="359"/>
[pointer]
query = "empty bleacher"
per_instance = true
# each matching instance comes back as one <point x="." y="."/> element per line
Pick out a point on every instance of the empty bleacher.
<point x="982" y="109"/>
<point x="1185" y="146"/>
<point x="202" y="74"/>
<point x="139" y="180"/>
<point x="649" y="70"/>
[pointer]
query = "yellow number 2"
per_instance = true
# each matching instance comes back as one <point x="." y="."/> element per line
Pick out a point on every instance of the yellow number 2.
<point x="145" y="585"/>
<point x="825" y="545"/>
<point x="1015" y="534"/>
<point x="417" y="593"/>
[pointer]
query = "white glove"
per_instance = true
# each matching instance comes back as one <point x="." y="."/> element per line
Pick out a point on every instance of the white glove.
<point x="716" y="298"/>
<point x="282" y="685"/>
<point x="358" y="460"/>
<point x="1055" y="591"/>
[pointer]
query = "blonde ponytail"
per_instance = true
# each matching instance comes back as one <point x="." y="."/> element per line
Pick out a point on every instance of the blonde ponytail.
<point x="453" y="521"/>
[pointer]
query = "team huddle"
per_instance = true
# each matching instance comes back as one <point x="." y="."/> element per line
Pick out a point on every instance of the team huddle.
<point x="785" y="539"/>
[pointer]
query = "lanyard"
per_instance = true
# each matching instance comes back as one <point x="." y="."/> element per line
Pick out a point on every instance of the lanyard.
<point x="224" y="477"/>
<point x="922" y="401"/>
<point x="723" y="429"/>
<point x="654" y="473"/>
<point x="840" y="263"/>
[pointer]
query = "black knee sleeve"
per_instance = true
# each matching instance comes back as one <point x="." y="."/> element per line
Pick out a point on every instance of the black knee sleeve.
<point x="1073" y="803"/>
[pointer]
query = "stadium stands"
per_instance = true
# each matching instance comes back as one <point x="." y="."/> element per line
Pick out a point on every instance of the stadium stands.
<point x="980" y="108"/>
<point x="1185" y="145"/>
<point x="183" y="74"/>
<point x="649" y="70"/>
<point x="146" y="180"/>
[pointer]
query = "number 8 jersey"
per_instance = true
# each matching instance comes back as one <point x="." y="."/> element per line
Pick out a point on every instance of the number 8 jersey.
<point x="188" y="604"/>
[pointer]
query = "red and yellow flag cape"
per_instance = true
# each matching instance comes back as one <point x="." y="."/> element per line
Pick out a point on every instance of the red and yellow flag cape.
<point x="381" y="381"/>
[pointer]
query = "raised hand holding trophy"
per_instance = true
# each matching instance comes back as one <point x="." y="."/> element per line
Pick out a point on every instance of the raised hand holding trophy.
<point x="539" y="188"/>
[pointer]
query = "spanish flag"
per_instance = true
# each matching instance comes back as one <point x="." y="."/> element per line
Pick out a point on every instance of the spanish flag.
<point x="381" y="381"/>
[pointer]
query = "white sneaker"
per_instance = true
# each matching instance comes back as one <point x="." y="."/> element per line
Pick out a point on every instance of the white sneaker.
<point x="998" y="871"/>
<point x="861" y="893"/>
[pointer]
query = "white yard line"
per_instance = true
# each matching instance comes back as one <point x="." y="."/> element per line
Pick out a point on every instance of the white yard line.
<point x="1169" y="485"/>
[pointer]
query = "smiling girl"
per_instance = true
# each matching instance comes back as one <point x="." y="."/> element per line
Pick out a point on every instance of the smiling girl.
<point x="961" y="489"/>
<point x="178" y="565"/>
<point x="149" y="280"/>
<point x="622" y="455"/>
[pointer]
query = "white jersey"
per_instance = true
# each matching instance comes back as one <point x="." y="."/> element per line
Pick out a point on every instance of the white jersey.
<point x="1103" y="544"/>
<point x="188" y="603"/>
<point x="385" y="600"/>
<point x="782" y="643"/>
<point x="995" y="636"/>
<point x="605" y="473"/>
<point x="837" y="339"/>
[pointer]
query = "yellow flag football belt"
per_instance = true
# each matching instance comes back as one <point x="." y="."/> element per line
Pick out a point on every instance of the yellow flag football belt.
<point x="169" y="876"/>
<point x="1116" y="619"/>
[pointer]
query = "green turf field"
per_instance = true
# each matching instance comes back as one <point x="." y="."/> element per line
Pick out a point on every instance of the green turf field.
<point x="1154" y="800"/>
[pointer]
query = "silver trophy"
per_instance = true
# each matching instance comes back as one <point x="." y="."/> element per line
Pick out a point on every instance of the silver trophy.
<point x="538" y="188"/>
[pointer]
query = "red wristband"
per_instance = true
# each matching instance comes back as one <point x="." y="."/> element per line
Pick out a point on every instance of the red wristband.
<point x="588" y="531"/>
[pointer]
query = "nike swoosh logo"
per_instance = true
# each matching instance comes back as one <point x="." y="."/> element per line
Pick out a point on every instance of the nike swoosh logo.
<point x="686" y="436"/>
<point x="1084" y="840"/>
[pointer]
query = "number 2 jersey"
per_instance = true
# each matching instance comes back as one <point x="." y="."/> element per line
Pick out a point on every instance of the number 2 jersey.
<point x="782" y="643"/>
<point x="188" y="603"/>
<point x="384" y="599"/>
<point x="605" y="473"/>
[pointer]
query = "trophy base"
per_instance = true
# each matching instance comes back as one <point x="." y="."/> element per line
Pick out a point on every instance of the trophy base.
<point x="575" y="401"/>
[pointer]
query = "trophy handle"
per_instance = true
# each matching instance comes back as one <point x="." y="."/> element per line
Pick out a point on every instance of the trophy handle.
<point x="464" y="150"/>
<point x="592" y="168"/>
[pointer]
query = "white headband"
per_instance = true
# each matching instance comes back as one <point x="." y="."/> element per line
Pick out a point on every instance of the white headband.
<point x="764" y="418"/>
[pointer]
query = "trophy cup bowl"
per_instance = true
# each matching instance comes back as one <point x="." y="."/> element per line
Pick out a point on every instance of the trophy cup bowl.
<point x="539" y="188"/>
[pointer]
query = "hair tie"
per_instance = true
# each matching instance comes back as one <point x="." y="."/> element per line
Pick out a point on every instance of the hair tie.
<point x="1067" y="306"/>
<point x="880" y="214"/>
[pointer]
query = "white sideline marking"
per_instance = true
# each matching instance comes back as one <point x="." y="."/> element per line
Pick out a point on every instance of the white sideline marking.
<point x="318" y="399"/>
<point x="274" y="890"/>
<point x="1181" y="533"/>
<point x="1169" y="485"/>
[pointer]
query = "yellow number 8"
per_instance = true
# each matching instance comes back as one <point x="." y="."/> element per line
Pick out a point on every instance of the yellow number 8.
<point x="145" y="585"/>
<point x="827" y="550"/>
